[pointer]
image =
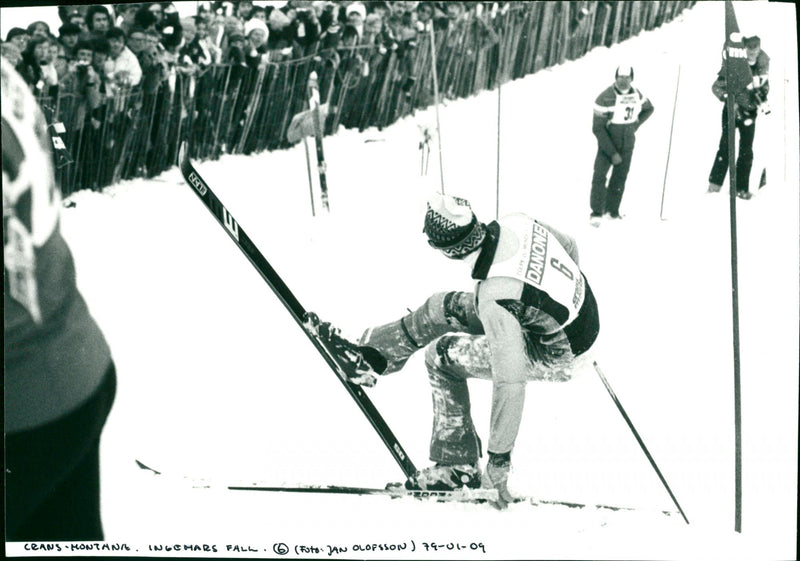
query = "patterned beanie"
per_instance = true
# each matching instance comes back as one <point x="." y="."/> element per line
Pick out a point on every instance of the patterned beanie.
<point x="452" y="227"/>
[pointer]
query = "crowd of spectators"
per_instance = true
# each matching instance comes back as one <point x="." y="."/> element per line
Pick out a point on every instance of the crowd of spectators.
<point x="131" y="81"/>
<point x="134" y="44"/>
<point x="99" y="52"/>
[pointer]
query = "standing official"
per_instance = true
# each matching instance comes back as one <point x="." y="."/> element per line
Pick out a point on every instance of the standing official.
<point x="619" y="111"/>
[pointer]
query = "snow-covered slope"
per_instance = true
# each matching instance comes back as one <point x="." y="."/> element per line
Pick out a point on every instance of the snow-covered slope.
<point x="216" y="380"/>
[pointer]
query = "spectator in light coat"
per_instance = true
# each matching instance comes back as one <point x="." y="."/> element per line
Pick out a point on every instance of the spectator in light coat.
<point x="122" y="67"/>
<point x="10" y="52"/>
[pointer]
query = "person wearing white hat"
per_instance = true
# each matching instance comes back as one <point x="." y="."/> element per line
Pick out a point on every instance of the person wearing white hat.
<point x="619" y="111"/>
<point x="531" y="315"/>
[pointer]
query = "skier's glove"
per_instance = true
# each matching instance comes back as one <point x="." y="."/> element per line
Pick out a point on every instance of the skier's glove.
<point x="496" y="477"/>
<point x="616" y="159"/>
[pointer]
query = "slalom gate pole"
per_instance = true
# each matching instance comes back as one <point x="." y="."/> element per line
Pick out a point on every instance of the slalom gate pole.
<point x="436" y="102"/>
<point x="497" y="196"/>
<point x="639" y="439"/>
<point x="310" y="176"/>
<point x="669" y="146"/>
<point x="732" y="77"/>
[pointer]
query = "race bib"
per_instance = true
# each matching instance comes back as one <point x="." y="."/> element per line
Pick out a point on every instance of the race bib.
<point x="542" y="262"/>
<point x="627" y="108"/>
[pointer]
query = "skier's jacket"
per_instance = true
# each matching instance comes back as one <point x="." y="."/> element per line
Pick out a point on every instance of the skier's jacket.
<point x="537" y="310"/>
<point x="55" y="354"/>
<point x="616" y="117"/>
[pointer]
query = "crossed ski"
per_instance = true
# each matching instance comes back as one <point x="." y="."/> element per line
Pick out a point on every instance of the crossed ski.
<point x="293" y="306"/>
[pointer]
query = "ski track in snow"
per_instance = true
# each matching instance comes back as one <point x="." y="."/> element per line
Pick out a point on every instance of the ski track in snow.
<point x="216" y="380"/>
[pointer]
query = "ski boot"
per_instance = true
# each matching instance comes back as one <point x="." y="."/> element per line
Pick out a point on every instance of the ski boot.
<point x="360" y="363"/>
<point x="446" y="478"/>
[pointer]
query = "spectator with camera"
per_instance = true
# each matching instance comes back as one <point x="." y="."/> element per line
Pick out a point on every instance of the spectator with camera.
<point x="83" y="81"/>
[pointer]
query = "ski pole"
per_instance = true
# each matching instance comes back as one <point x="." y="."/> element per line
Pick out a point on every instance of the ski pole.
<point x="639" y="439"/>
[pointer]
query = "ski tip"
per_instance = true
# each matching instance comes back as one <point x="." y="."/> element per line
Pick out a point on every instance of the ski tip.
<point x="182" y="152"/>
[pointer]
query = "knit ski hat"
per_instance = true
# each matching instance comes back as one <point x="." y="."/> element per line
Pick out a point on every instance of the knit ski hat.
<point x="452" y="227"/>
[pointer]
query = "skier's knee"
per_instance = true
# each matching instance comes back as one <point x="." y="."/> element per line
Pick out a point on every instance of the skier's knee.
<point x="436" y="355"/>
<point x="460" y="312"/>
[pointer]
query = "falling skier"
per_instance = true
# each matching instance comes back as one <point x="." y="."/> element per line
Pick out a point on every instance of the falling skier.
<point x="531" y="316"/>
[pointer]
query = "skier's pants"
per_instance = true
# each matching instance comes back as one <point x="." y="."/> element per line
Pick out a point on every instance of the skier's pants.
<point x="744" y="162"/>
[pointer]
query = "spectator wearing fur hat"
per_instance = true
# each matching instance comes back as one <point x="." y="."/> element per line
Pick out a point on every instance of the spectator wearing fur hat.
<point x="257" y="34"/>
<point x="529" y="318"/>
<point x="122" y="67"/>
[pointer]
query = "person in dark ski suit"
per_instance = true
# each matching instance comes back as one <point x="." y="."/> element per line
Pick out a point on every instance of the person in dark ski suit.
<point x="619" y="111"/>
<point x="529" y="318"/>
<point x="59" y="379"/>
<point x="747" y="107"/>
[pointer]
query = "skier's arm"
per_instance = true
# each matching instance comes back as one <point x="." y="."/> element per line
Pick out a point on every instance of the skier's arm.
<point x="644" y="114"/>
<point x="510" y="365"/>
